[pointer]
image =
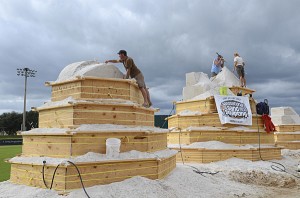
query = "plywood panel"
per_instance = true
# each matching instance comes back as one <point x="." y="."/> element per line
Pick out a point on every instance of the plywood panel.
<point x="207" y="120"/>
<point x="84" y="142"/>
<point x="91" y="113"/>
<point x="214" y="155"/>
<point x="287" y="128"/>
<point x="206" y="106"/>
<point x="97" y="88"/>
<point x="92" y="173"/>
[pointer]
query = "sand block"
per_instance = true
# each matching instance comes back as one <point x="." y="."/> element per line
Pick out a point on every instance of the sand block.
<point x="193" y="78"/>
<point x="284" y="115"/>
<point x="192" y="91"/>
<point x="280" y="111"/>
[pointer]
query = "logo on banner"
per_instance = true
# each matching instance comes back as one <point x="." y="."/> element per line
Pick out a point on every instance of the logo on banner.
<point x="234" y="109"/>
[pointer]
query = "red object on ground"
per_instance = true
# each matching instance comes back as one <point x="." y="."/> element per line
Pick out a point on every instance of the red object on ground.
<point x="269" y="126"/>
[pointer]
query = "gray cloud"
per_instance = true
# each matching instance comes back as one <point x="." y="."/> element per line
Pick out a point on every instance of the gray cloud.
<point x="166" y="39"/>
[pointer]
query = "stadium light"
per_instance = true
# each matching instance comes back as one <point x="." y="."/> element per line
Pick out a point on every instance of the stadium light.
<point x="26" y="72"/>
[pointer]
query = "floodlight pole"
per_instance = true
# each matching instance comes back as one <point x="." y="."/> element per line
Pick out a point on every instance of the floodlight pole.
<point x="26" y="72"/>
<point x="24" y="109"/>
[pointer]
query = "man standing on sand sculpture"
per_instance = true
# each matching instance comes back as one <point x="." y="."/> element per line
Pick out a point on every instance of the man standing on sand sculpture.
<point x="239" y="67"/>
<point x="133" y="72"/>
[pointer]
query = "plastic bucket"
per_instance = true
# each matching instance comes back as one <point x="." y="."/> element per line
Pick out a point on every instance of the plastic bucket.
<point x="113" y="147"/>
<point x="223" y="91"/>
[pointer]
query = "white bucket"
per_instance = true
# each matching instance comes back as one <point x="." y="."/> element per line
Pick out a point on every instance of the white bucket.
<point x="113" y="147"/>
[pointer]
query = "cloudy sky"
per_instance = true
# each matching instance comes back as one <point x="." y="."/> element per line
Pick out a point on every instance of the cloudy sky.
<point x="167" y="39"/>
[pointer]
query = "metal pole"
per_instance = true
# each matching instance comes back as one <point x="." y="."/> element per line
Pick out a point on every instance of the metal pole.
<point x="24" y="109"/>
<point x="26" y="72"/>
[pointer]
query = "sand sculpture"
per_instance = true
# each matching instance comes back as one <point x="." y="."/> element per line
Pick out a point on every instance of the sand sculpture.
<point x="196" y="130"/>
<point x="90" y="104"/>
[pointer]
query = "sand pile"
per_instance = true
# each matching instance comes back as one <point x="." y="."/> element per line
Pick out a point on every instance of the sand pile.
<point x="89" y="68"/>
<point x="199" y="86"/>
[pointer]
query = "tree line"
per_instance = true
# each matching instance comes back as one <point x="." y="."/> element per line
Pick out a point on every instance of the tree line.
<point x="11" y="122"/>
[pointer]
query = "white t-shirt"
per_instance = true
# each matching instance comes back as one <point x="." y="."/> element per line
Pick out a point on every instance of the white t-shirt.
<point x="239" y="60"/>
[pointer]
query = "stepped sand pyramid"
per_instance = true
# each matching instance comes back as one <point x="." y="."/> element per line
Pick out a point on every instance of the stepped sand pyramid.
<point x="196" y="130"/>
<point x="287" y="123"/>
<point x="91" y="103"/>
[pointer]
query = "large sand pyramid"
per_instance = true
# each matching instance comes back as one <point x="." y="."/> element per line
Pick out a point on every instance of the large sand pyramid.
<point x="90" y="106"/>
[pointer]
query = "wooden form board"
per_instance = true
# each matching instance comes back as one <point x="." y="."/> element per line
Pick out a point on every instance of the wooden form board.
<point x="93" y="113"/>
<point x="242" y="90"/>
<point x="72" y="145"/>
<point x="213" y="155"/>
<point x="92" y="173"/>
<point x="211" y="119"/>
<point x="206" y="106"/>
<point x="97" y="88"/>
<point x="292" y="145"/>
<point x="288" y="128"/>
<point x="229" y="137"/>
<point x="287" y="137"/>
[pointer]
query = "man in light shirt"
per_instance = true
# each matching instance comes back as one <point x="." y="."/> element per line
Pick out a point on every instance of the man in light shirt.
<point x="239" y="67"/>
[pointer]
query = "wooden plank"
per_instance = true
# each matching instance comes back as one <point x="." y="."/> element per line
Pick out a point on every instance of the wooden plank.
<point x="30" y="175"/>
<point x="82" y="143"/>
<point x="288" y="128"/>
<point x="92" y="173"/>
<point x="206" y="120"/>
<point x="242" y="90"/>
<point x="60" y="117"/>
<point x="206" y="106"/>
<point x="100" y="88"/>
<point x="90" y="113"/>
<point x="292" y="145"/>
<point x="51" y="146"/>
<point x="214" y="155"/>
<point x="179" y="138"/>
<point x="287" y="137"/>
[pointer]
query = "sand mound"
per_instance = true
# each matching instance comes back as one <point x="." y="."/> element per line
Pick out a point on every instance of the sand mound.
<point x="261" y="178"/>
<point x="89" y="68"/>
<point x="199" y="86"/>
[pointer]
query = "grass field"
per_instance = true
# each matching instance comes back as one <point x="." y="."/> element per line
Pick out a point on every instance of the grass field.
<point x="7" y="152"/>
<point x="10" y="137"/>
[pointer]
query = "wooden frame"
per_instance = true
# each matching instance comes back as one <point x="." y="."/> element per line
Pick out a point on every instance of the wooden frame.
<point x="80" y="143"/>
<point x="201" y="155"/>
<point x="226" y="136"/>
<point x="242" y="90"/>
<point x="206" y="106"/>
<point x="75" y="114"/>
<point x="211" y="119"/>
<point x="288" y="128"/>
<point x="95" y="88"/>
<point x="92" y="173"/>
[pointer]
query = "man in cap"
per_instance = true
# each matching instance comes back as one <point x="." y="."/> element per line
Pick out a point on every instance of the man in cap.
<point x="217" y="65"/>
<point x="133" y="72"/>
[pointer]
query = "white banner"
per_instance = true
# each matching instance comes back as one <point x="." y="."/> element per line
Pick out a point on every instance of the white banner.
<point x="234" y="109"/>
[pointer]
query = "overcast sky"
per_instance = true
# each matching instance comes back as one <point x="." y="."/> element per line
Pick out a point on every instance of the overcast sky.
<point x="167" y="39"/>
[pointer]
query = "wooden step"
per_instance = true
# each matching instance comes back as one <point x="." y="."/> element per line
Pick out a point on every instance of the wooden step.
<point x="201" y="155"/>
<point x="92" y="173"/>
<point x="226" y="136"/>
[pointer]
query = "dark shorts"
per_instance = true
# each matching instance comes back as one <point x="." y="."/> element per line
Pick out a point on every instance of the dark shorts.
<point x="240" y="71"/>
<point x="140" y="80"/>
<point x="213" y="74"/>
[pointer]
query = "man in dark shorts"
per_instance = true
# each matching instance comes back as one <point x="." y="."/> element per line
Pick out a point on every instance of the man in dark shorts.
<point x="133" y="72"/>
<point x="239" y="67"/>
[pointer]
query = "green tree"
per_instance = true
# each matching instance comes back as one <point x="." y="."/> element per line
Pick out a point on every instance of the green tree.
<point x="11" y="122"/>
